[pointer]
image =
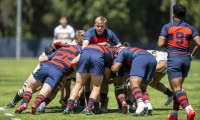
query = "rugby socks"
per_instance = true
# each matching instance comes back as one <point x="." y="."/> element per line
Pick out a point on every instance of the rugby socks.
<point x="82" y="100"/>
<point x="16" y="99"/>
<point x="47" y="101"/>
<point x="176" y="104"/>
<point x="27" y="97"/>
<point x="70" y="104"/>
<point x="168" y="92"/>
<point x="182" y="98"/>
<point x="90" y="103"/>
<point x="129" y="102"/>
<point x="96" y="105"/>
<point x="146" y="99"/>
<point x="104" y="99"/>
<point x="87" y="96"/>
<point x="39" y="99"/>
<point x="137" y="94"/>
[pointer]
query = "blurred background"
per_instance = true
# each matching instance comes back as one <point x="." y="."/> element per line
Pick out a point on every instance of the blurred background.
<point x="136" y="21"/>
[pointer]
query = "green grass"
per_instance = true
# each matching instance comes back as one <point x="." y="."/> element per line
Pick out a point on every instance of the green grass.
<point x="13" y="73"/>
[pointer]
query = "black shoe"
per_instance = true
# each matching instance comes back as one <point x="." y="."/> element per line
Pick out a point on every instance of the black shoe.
<point x="97" y="111"/>
<point x="10" y="105"/>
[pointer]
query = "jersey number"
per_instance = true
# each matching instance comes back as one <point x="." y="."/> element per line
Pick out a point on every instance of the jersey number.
<point x="179" y="38"/>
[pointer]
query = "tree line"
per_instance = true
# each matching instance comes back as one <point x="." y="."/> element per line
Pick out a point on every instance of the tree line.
<point x="131" y="20"/>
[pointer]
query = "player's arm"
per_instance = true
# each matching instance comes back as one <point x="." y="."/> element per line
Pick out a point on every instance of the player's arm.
<point x="161" y="42"/>
<point x="161" y="65"/>
<point x="197" y="47"/>
<point x="116" y="66"/>
<point x="74" y="62"/>
<point x="85" y="43"/>
<point x="104" y="43"/>
<point x="43" y="58"/>
<point x="118" y="45"/>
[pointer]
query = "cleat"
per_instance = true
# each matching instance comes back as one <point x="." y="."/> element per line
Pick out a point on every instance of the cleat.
<point x="191" y="115"/>
<point x="42" y="107"/>
<point x="172" y="117"/>
<point x="21" y="108"/>
<point x="33" y="109"/>
<point x="124" y="108"/>
<point x="88" y="112"/>
<point x="104" y="109"/>
<point x="120" y="110"/>
<point x="67" y="110"/>
<point x="131" y="109"/>
<point x="10" y="105"/>
<point x="149" y="112"/>
<point x="169" y="100"/>
<point x="140" y="109"/>
<point x="97" y="111"/>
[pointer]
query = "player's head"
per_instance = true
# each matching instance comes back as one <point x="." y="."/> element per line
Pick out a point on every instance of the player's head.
<point x="100" y="24"/>
<point x="63" y="20"/>
<point x="179" y="11"/>
<point x="79" y="37"/>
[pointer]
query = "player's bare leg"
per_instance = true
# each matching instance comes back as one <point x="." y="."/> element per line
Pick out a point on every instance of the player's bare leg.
<point x="31" y="87"/>
<point x="155" y="83"/>
<point x="96" y="81"/>
<point x="44" y="92"/>
<point x="81" y="78"/>
<point x="135" y="82"/>
<point x="181" y="97"/>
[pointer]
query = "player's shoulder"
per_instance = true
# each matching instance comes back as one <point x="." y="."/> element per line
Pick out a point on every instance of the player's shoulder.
<point x="90" y="30"/>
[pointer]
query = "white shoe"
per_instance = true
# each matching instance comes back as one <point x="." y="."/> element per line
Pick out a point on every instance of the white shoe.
<point x="140" y="109"/>
<point x="169" y="100"/>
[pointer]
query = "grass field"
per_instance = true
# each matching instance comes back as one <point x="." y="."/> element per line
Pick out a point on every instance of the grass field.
<point x="13" y="73"/>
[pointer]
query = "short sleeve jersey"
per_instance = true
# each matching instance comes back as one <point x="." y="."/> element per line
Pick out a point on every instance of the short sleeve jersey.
<point x="66" y="32"/>
<point x="178" y="34"/>
<point x="107" y="36"/>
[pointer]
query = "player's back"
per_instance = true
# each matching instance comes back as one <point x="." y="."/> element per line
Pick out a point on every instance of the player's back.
<point x="179" y="34"/>
<point x="64" y="55"/>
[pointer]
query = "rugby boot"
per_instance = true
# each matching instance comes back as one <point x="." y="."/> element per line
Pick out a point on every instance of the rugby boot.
<point x="191" y="115"/>
<point x="21" y="108"/>
<point x="172" y="117"/>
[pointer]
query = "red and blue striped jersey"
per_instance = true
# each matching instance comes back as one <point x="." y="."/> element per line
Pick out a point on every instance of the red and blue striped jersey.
<point x="64" y="55"/>
<point x="178" y="34"/>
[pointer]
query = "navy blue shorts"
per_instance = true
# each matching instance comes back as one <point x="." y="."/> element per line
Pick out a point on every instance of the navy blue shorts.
<point x="91" y="61"/>
<point x="178" y="66"/>
<point x="50" y="74"/>
<point x="143" y="66"/>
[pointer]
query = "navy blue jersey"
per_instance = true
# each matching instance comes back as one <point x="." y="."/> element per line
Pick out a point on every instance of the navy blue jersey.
<point x="178" y="34"/>
<point x="107" y="36"/>
<point x="128" y="54"/>
<point x="106" y="53"/>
